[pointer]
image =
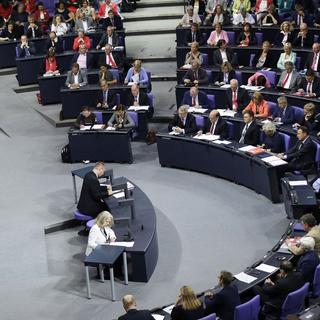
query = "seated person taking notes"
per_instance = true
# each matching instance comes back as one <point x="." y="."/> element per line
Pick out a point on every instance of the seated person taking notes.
<point x="283" y="113"/>
<point x="50" y="65"/>
<point x="76" y="78"/>
<point x="86" y="118"/>
<point x="272" y="141"/>
<point x="120" y="119"/>
<point x="250" y="131"/>
<point x="309" y="86"/>
<point x="137" y="74"/>
<point x="183" y="122"/>
<point x="106" y="98"/>
<point x="196" y="75"/>
<point x="215" y="125"/>
<point x="106" y="75"/>
<point x="195" y="98"/>
<point x="258" y="106"/>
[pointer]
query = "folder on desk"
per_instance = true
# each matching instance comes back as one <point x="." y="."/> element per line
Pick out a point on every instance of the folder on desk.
<point x="246" y="278"/>
<point x="256" y="151"/>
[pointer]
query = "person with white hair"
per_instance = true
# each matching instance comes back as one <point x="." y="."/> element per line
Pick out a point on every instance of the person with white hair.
<point x="132" y="312"/>
<point x="237" y="98"/>
<point x="272" y="141"/>
<point x="183" y="122"/>
<point x="189" y="18"/>
<point x="309" y="260"/>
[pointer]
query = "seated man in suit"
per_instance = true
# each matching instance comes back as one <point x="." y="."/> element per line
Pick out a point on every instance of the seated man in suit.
<point x="224" y="54"/>
<point x="302" y="156"/>
<point x="121" y="119"/>
<point x="309" y="85"/>
<point x="195" y="75"/>
<point x="304" y="38"/>
<point x="195" y="98"/>
<point x="312" y="61"/>
<point x="283" y="113"/>
<point x="250" y="131"/>
<point x="225" y="301"/>
<point x="76" y="78"/>
<point x="132" y="313"/>
<point x="215" y="125"/>
<point x="289" y="78"/>
<point x="272" y="141"/>
<point x="309" y="259"/>
<point x="111" y="59"/>
<point x="183" y="122"/>
<point x="275" y="292"/>
<point x="25" y="48"/>
<point x="109" y="37"/>
<point x="85" y="118"/>
<point x="114" y="21"/>
<point x="237" y="98"/>
<point x="84" y="23"/>
<point x="139" y="98"/>
<point x="106" y="98"/>
<point x="31" y="28"/>
<point x="83" y="58"/>
<point x="91" y="198"/>
<point x="193" y="35"/>
<point x="53" y="42"/>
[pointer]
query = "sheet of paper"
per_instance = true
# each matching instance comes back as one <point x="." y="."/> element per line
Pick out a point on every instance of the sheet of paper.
<point x="278" y="162"/>
<point x="226" y="113"/>
<point x="130" y="186"/>
<point x="118" y="195"/>
<point x="207" y="137"/>
<point x="138" y="108"/>
<point x="119" y="48"/>
<point x="243" y="277"/>
<point x="217" y="141"/>
<point x="197" y="110"/>
<point x="266" y="121"/>
<point x="122" y="244"/>
<point x="85" y="128"/>
<point x="186" y="66"/>
<point x="168" y="309"/>
<point x="252" y="88"/>
<point x="158" y="316"/>
<point x="173" y="133"/>
<point x="247" y="148"/>
<point x="110" y="129"/>
<point x="266" y="268"/>
<point x="131" y="83"/>
<point x="298" y="183"/>
<point x="135" y="77"/>
<point x="225" y="142"/>
<point x="98" y="126"/>
<point x="225" y="86"/>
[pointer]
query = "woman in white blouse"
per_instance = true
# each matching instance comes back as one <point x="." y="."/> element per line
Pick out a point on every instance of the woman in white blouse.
<point x="101" y="232"/>
<point x="59" y="26"/>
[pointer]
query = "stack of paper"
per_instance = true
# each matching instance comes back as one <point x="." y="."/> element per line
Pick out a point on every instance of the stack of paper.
<point x="138" y="108"/>
<point x="168" y="309"/>
<point x="221" y="142"/>
<point x="243" y="277"/>
<point x="197" y="110"/>
<point x="173" y="133"/>
<point x="247" y="148"/>
<point x="110" y="128"/>
<point x="266" y="268"/>
<point x="122" y="244"/>
<point x="274" y="161"/>
<point x="252" y="88"/>
<point x="207" y="137"/>
<point x="298" y="183"/>
<point x="226" y="113"/>
<point x="98" y="127"/>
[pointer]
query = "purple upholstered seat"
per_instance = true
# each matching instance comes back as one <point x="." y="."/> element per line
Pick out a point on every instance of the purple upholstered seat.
<point x="211" y="101"/>
<point x="199" y="121"/>
<point x="205" y="59"/>
<point x="90" y="224"/>
<point x="81" y="216"/>
<point x="209" y="317"/>
<point x="248" y="310"/>
<point x="98" y="116"/>
<point x="316" y="283"/>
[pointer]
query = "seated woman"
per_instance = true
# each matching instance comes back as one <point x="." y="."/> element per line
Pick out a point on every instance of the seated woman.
<point x="120" y="119"/>
<point x="42" y="17"/>
<point x="193" y="55"/>
<point x="246" y="36"/>
<point x="272" y="141"/>
<point x="189" y="18"/>
<point x="218" y="16"/>
<point x="101" y="232"/>
<point x="261" y="8"/>
<point x="105" y="74"/>
<point x="264" y="58"/>
<point x="225" y="75"/>
<point x="86" y="118"/>
<point x="50" y="66"/>
<point x="59" y="26"/>
<point x="271" y="17"/>
<point x="311" y="119"/>
<point x="285" y="35"/>
<point x="137" y="74"/>
<point x="258" y="106"/>
<point x="67" y="16"/>
<point x="86" y="9"/>
<point x="287" y="55"/>
<point x="259" y="79"/>
<point x="216" y="35"/>
<point x="9" y="32"/>
<point x="188" y="306"/>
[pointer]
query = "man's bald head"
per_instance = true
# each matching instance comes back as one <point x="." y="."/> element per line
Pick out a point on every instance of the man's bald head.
<point x="129" y="302"/>
<point x="214" y="115"/>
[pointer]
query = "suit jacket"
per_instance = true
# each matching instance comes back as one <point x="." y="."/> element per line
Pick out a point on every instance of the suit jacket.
<point x="202" y="76"/>
<point x="269" y="62"/>
<point x="287" y="118"/>
<point x="198" y="36"/>
<point x="309" y="62"/>
<point x="82" y="78"/>
<point x="302" y="155"/>
<point x="315" y="85"/>
<point x="217" y="57"/>
<point x="104" y="40"/>
<point x="90" y="198"/>
<point x="29" y="34"/>
<point x="307" y="265"/>
<point x="220" y="76"/>
<point x="127" y="121"/>
<point x="252" y="135"/>
<point x="295" y="79"/>
<point x="294" y="16"/>
<point x="90" y="60"/>
<point x="221" y="128"/>
<point x="224" y="303"/>
<point x="280" y="37"/>
<point x="252" y="38"/>
<point x="242" y="99"/>
<point x="21" y="52"/>
<point x="202" y="99"/>
<point x="117" y="23"/>
<point x="307" y="41"/>
<point x="111" y="98"/>
<point x="274" y="143"/>
<point x="143" y="99"/>
<point x="313" y="123"/>
<point x="190" y="124"/>
<point x="58" y="46"/>
<point x="137" y="315"/>
<point x="79" y="24"/>
<point x="116" y="57"/>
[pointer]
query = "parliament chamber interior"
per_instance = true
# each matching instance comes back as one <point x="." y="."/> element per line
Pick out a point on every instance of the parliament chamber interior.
<point x="160" y="159"/>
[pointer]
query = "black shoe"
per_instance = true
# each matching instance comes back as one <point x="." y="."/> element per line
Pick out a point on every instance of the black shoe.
<point x="83" y="233"/>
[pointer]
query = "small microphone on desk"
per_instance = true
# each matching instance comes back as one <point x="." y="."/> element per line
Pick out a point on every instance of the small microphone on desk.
<point x="128" y="236"/>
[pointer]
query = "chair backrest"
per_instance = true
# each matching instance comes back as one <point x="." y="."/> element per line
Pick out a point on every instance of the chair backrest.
<point x="298" y="114"/>
<point x="211" y="101"/>
<point x="259" y="36"/>
<point x="209" y="317"/>
<point x="231" y="36"/>
<point x="205" y="60"/>
<point x="115" y="73"/>
<point x="318" y="155"/>
<point x="199" y="121"/>
<point x="298" y="63"/>
<point x="286" y="139"/>
<point x="98" y="116"/>
<point x="271" y="75"/>
<point x="316" y="38"/>
<point x="205" y="37"/>
<point x="209" y="74"/>
<point x="272" y="107"/>
<point x="150" y="99"/>
<point x="294" y="301"/>
<point x="230" y="129"/>
<point x="316" y="282"/>
<point x="134" y="116"/>
<point x="248" y="310"/>
<point x="239" y="77"/>
<point x="118" y="98"/>
<point x="252" y="55"/>
<point x="149" y="81"/>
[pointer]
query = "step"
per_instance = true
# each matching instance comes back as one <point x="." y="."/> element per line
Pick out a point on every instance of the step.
<point x="157" y="12"/>
<point x="8" y="71"/>
<point x="156" y="17"/>
<point x="151" y="26"/>
<point x="161" y="3"/>
<point x="149" y="32"/>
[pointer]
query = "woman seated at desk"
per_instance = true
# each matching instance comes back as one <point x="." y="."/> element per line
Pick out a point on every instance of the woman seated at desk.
<point x="285" y="35"/>
<point x="287" y="55"/>
<point x="246" y="36"/>
<point x="216" y="35"/>
<point x="86" y="118"/>
<point x="311" y="119"/>
<point x="50" y="66"/>
<point x="259" y="79"/>
<point x="59" y="26"/>
<point x="271" y="17"/>
<point x="194" y="54"/>
<point x="225" y="75"/>
<point x="137" y="74"/>
<point x="106" y="75"/>
<point x="120" y="119"/>
<point x="258" y="106"/>
<point x="263" y="59"/>
<point x="9" y="32"/>
<point x="272" y="141"/>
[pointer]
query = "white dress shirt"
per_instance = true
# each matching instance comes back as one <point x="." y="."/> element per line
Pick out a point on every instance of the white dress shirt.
<point x="287" y="84"/>
<point x="224" y="55"/>
<point x="82" y="61"/>
<point x="76" y="78"/>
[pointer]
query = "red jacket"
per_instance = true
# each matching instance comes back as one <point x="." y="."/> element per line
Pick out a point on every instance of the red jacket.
<point x="5" y="12"/>
<point x="45" y="13"/>
<point x="30" y="6"/>
<point x="76" y="43"/>
<point x="269" y="2"/>
<point x="102" y="9"/>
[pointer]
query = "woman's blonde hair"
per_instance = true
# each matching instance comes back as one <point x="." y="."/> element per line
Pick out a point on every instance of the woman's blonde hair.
<point x="288" y="23"/>
<point x="137" y="64"/>
<point x="309" y="107"/>
<point x="104" y="219"/>
<point x="226" y="64"/>
<point x="188" y="298"/>
<point x="257" y="95"/>
<point x="288" y="45"/>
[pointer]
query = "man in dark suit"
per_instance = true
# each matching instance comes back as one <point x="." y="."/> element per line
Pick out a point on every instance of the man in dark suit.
<point x="250" y="132"/>
<point x="183" y="122"/>
<point x="313" y="59"/>
<point x="195" y="75"/>
<point x="111" y="59"/>
<point x="114" y="21"/>
<point x="215" y="125"/>
<point x="224" y="54"/>
<point x="309" y="85"/>
<point x="132" y="313"/>
<point x="284" y="113"/>
<point x="302" y="156"/>
<point x="83" y="58"/>
<point x="109" y="37"/>
<point x="106" y="98"/>
<point x="224" y="302"/>
<point x="237" y="98"/>
<point x="275" y="293"/>
<point x="25" y="48"/>
<point x="53" y="42"/>
<point x="304" y="38"/>
<point x="193" y="35"/>
<point x="139" y="98"/>
<point x="195" y="98"/>
<point x="91" y="198"/>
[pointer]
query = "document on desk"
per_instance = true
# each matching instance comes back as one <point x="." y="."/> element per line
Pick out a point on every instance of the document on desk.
<point x="157" y="316"/>
<point x="247" y="148"/>
<point x="298" y="183"/>
<point x="252" y="88"/>
<point x="243" y="277"/>
<point x="186" y="66"/>
<point x="197" y="110"/>
<point x="138" y="108"/>
<point x="266" y="268"/>
<point x="274" y="161"/>
<point x="118" y="194"/>
<point x="110" y="129"/>
<point x="130" y="186"/>
<point x="98" y="126"/>
<point x="225" y="86"/>
<point x="122" y="244"/>
<point x="221" y="142"/>
<point x="284" y="248"/>
<point x="168" y="309"/>
<point x="173" y="133"/>
<point x="207" y="137"/>
<point x="226" y="113"/>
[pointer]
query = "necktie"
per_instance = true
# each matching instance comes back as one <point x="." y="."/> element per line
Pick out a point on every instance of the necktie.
<point x="225" y="80"/>
<point x="234" y="99"/>
<point x="212" y="128"/>
<point x="111" y="61"/>
<point x="300" y="145"/>
<point x="193" y="37"/>
<point x="193" y="101"/>
<point x="309" y="87"/>
<point x="195" y="75"/>
<point x="244" y="131"/>
<point x="284" y="82"/>
<point x="314" y="62"/>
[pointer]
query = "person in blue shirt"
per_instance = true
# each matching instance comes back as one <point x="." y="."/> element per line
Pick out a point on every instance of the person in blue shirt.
<point x="137" y="74"/>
